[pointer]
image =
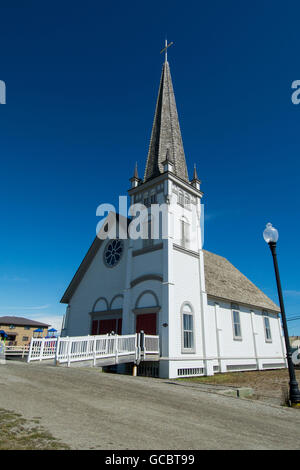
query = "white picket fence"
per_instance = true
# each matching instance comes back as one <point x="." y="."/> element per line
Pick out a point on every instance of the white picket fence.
<point x="41" y="348"/>
<point x="112" y="349"/>
<point x="16" y="350"/>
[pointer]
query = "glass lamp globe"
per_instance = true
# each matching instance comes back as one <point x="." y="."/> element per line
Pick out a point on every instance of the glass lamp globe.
<point x="270" y="234"/>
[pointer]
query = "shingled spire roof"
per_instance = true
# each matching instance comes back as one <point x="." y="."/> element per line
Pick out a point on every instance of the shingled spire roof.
<point x="166" y="135"/>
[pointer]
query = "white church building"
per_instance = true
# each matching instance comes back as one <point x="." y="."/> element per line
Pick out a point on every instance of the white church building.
<point x="209" y="317"/>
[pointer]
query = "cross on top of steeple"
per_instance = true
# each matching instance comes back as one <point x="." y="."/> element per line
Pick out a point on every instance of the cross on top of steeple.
<point x="165" y="49"/>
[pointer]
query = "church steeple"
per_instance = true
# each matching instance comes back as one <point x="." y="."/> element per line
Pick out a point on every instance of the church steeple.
<point x="166" y="135"/>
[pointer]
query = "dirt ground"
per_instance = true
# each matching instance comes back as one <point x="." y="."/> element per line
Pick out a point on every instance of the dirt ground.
<point x="24" y="434"/>
<point x="84" y="408"/>
<point x="268" y="384"/>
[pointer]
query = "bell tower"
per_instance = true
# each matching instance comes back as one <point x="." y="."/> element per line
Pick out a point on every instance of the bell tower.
<point x="181" y="317"/>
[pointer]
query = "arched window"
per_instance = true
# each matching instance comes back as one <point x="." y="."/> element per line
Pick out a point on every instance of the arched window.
<point x="187" y="328"/>
<point x="101" y="304"/>
<point x="147" y="299"/>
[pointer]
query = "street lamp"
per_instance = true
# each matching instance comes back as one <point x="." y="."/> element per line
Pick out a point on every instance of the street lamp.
<point x="271" y="236"/>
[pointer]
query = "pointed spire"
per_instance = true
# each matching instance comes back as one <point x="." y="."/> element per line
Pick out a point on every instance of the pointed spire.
<point x="135" y="180"/>
<point x="195" y="181"/>
<point x="195" y="176"/>
<point x="166" y="132"/>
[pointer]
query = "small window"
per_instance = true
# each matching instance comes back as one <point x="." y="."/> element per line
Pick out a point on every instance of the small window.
<point x="187" y="200"/>
<point x="187" y="329"/>
<point x="181" y="198"/>
<point x="25" y="338"/>
<point x="26" y="327"/>
<point x="153" y="199"/>
<point x="268" y="334"/>
<point x="12" y="327"/>
<point x="184" y="234"/>
<point x="237" y="331"/>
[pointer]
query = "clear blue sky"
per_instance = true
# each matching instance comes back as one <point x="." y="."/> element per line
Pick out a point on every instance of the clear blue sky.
<point x="82" y="80"/>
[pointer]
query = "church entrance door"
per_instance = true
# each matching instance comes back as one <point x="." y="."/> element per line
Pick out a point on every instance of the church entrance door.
<point x="147" y="323"/>
<point x="102" y="327"/>
<point x="107" y="326"/>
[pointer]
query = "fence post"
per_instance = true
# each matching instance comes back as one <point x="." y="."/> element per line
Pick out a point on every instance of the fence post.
<point x="137" y="349"/>
<point x="42" y="348"/>
<point x="57" y="350"/>
<point x="94" y="350"/>
<point x="69" y="351"/>
<point x="116" y="349"/>
<point x="142" y="343"/>
<point x="30" y="349"/>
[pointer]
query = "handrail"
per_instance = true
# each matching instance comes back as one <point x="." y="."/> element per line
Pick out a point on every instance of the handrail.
<point x="84" y="348"/>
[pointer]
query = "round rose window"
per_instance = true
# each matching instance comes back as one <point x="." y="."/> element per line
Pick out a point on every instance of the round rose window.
<point x="113" y="253"/>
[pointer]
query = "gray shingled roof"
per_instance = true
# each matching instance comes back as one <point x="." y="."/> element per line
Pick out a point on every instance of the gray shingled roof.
<point x="11" y="320"/>
<point x="224" y="281"/>
<point x="166" y="133"/>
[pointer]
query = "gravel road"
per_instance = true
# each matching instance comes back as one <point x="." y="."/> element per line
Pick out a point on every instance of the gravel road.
<point x="88" y="409"/>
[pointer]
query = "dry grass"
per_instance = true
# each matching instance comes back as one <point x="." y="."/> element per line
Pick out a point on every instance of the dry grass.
<point x="17" y="433"/>
<point x="267" y="383"/>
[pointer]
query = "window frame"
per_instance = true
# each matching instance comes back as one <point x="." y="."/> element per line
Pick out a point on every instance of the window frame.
<point x="180" y="198"/>
<point x="184" y="349"/>
<point x="266" y="317"/>
<point x="184" y="233"/>
<point x="235" y="308"/>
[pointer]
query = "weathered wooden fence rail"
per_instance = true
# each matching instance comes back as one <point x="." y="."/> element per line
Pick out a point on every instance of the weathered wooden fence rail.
<point x="106" y="349"/>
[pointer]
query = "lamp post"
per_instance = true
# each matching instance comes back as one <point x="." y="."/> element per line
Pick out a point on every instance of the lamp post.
<point x="271" y="236"/>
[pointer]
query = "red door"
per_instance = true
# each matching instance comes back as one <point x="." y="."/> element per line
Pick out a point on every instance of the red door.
<point x="147" y="323"/>
<point x="107" y="326"/>
<point x="120" y="326"/>
<point x="95" y="327"/>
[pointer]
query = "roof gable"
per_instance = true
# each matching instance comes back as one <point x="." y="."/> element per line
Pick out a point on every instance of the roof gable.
<point x="93" y="250"/>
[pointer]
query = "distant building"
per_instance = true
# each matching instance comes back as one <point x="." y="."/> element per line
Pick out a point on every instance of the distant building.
<point x="20" y="330"/>
<point x="294" y="338"/>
